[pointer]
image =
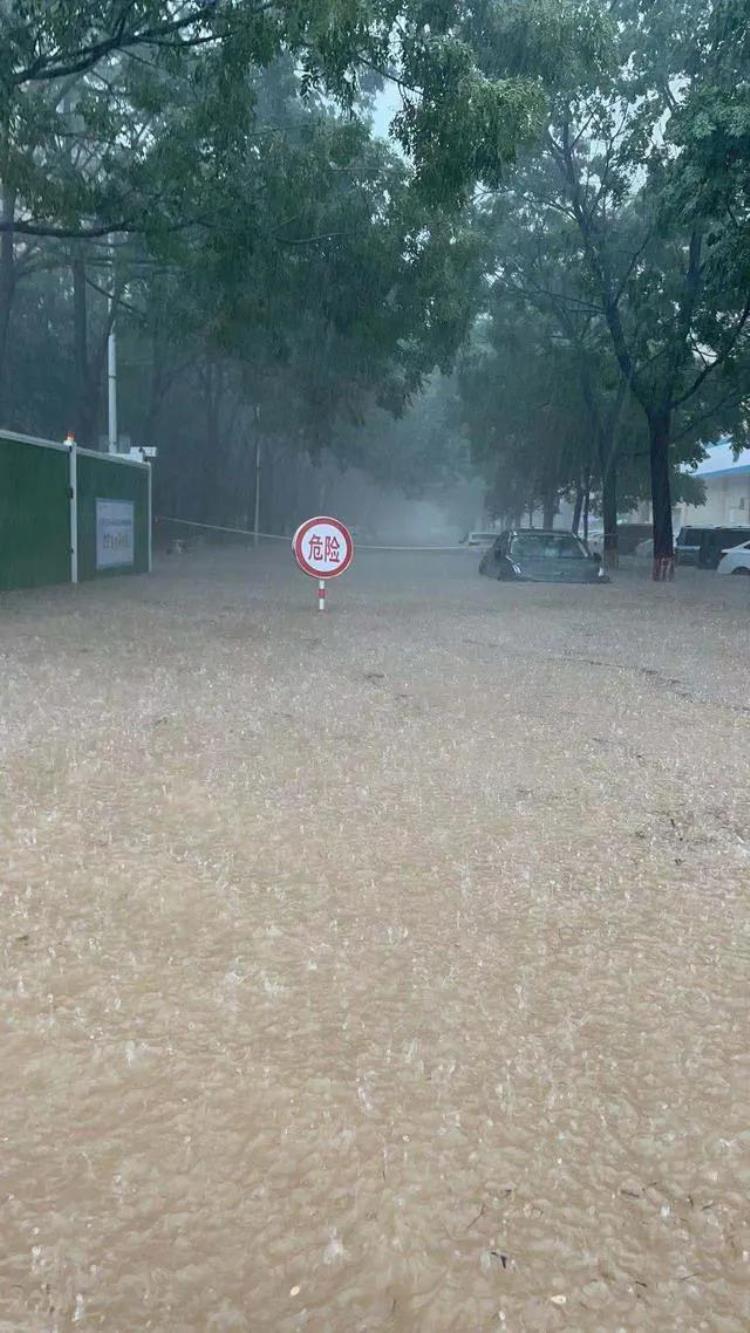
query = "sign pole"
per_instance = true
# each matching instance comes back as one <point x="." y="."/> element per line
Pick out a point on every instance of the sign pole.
<point x="321" y="594"/>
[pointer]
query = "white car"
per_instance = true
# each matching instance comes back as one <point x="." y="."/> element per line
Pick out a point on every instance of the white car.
<point x="736" y="560"/>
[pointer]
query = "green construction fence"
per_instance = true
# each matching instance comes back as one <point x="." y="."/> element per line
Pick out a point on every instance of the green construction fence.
<point x="68" y="514"/>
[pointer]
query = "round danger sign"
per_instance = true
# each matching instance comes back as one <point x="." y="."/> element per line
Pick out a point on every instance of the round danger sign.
<point x="323" y="547"/>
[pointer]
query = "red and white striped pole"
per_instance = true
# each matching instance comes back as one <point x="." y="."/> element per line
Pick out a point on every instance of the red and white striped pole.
<point x="321" y="594"/>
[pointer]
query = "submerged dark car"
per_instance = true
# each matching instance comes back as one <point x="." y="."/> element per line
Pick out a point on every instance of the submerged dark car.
<point x="534" y="556"/>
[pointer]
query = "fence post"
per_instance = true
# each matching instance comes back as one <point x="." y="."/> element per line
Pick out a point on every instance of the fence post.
<point x="73" y="504"/>
<point x="150" y="519"/>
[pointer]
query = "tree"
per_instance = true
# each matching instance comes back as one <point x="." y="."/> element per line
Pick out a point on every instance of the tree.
<point x="666" y="284"/>
<point x="455" y="123"/>
<point x="524" y="413"/>
<point x="119" y="116"/>
<point x="710" y="131"/>
<point x="657" y="263"/>
<point x="319" y="257"/>
<point x="547" y="408"/>
<point x="43" y="43"/>
<point x="317" y="286"/>
<point x="537" y="271"/>
<point x="128" y="118"/>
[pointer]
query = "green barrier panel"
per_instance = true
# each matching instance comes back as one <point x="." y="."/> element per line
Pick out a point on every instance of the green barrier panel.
<point x="115" y="485"/>
<point x="37" y="518"/>
<point x="34" y="513"/>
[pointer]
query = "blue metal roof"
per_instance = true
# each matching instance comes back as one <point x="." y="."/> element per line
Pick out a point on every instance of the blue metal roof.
<point x="722" y="463"/>
<point x="739" y="470"/>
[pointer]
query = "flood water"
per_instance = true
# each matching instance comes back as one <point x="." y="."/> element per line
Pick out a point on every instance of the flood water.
<point x="385" y="969"/>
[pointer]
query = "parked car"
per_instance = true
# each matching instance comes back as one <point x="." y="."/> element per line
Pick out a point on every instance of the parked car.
<point x="688" y="545"/>
<point x="736" y="560"/>
<point x="703" y="546"/>
<point x="532" y="555"/>
<point x="717" y="540"/>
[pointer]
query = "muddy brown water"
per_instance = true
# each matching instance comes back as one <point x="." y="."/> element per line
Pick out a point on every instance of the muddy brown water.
<point x="387" y="969"/>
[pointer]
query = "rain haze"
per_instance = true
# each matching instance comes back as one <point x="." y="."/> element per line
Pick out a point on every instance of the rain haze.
<point x="374" y="718"/>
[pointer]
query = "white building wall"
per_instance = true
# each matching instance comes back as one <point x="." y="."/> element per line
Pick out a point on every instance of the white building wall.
<point x="727" y="503"/>
<point x="727" y="495"/>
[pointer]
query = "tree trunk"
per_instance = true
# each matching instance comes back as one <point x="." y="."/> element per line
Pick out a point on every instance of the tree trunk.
<point x="661" y="494"/>
<point x="211" y="469"/>
<point x="609" y="515"/>
<point x="550" y="509"/>
<point x="155" y="401"/>
<point x="586" y="505"/>
<point x="578" y="508"/>
<point x="7" y="283"/>
<point x="81" y="413"/>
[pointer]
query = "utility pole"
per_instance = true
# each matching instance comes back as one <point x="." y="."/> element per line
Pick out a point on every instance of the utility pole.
<point x="112" y="361"/>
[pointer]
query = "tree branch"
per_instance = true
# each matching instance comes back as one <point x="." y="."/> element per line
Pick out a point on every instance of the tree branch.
<point x="631" y="266"/>
<point x="732" y="399"/>
<point x="563" y="155"/>
<point x="718" y="360"/>
<point x="54" y="66"/>
<point x="686" y="311"/>
<point x="114" y="298"/>
<point x="312" y="240"/>
<point x="66" y="233"/>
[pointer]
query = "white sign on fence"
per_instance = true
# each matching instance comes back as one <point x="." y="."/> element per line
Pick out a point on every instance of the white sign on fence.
<point x="115" y="533"/>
